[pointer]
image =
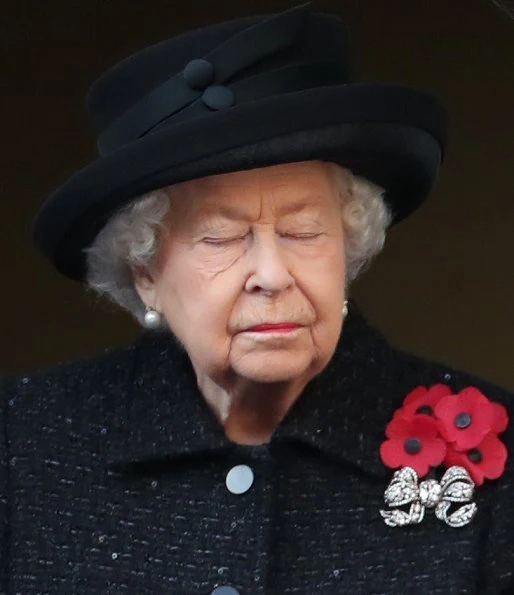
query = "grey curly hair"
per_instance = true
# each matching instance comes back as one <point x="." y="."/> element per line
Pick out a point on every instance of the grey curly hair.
<point x="130" y="239"/>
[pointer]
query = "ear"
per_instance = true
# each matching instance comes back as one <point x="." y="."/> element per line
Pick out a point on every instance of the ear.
<point x="147" y="288"/>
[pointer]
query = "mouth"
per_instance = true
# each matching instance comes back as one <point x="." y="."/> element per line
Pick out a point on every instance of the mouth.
<point x="282" y="327"/>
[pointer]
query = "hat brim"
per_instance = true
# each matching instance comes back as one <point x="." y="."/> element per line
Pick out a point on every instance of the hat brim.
<point x="392" y="135"/>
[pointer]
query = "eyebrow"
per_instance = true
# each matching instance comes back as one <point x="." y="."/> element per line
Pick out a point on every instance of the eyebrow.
<point x="233" y="212"/>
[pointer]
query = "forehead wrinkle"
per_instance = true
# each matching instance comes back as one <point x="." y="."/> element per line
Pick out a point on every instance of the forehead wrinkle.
<point x="280" y="208"/>
<point x="230" y="196"/>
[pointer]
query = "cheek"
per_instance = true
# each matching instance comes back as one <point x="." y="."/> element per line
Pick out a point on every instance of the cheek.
<point x="197" y="295"/>
<point x="321" y="274"/>
<point x="199" y="302"/>
<point x="321" y="281"/>
<point x="179" y="287"/>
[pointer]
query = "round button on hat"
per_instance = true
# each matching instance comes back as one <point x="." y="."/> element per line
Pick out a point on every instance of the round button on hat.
<point x="198" y="73"/>
<point x="218" y="97"/>
<point x="239" y="479"/>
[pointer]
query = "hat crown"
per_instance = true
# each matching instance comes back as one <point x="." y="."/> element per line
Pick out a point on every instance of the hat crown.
<point x="317" y="37"/>
<point x="247" y="93"/>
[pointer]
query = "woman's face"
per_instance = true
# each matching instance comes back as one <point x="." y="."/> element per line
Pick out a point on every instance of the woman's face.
<point x="248" y="248"/>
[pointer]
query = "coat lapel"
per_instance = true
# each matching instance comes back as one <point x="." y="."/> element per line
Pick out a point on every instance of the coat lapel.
<point x="163" y="415"/>
<point x="342" y="412"/>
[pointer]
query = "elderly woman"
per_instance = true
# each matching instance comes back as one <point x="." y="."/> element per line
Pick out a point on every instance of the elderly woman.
<point x="260" y="437"/>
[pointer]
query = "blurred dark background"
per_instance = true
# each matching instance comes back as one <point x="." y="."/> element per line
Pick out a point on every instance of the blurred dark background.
<point x="444" y="286"/>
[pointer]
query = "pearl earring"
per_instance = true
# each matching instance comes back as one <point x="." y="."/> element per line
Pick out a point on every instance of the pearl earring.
<point x="345" y="308"/>
<point x="152" y="318"/>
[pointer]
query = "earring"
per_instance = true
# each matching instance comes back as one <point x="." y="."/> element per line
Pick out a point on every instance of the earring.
<point x="345" y="308"/>
<point x="152" y="318"/>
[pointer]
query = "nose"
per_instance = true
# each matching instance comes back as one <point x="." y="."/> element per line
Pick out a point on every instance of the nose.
<point x="269" y="271"/>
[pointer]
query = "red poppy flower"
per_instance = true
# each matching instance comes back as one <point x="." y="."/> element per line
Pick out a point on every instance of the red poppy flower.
<point x="486" y="460"/>
<point x="423" y="400"/>
<point x="465" y="418"/>
<point x="501" y="419"/>
<point x="413" y="443"/>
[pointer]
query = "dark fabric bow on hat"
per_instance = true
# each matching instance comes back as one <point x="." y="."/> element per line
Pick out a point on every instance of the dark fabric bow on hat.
<point x="204" y="83"/>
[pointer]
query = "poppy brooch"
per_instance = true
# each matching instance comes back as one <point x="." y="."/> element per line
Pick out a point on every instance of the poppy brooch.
<point x="435" y="429"/>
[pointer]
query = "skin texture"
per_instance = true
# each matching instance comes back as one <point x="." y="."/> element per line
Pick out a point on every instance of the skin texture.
<point x="247" y="248"/>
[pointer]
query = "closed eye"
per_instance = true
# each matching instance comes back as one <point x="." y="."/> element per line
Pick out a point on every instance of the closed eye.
<point x="301" y="236"/>
<point x="217" y="241"/>
<point x="221" y="241"/>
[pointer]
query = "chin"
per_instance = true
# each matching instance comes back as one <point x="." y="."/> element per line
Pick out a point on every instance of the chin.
<point x="281" y="368"/>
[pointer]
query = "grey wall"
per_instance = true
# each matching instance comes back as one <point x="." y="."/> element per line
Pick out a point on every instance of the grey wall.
<point x="444" y="285"/>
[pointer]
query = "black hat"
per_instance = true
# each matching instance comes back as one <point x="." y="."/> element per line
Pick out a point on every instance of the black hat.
<point x="247" y="93"/>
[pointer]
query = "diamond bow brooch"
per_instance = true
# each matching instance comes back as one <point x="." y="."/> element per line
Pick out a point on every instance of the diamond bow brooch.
<point x="456" y="486"/>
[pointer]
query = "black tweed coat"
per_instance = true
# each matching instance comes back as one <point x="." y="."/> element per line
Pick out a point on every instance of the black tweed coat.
<point x="112" y="480"/>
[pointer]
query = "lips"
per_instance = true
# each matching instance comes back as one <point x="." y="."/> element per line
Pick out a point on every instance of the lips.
<point x="282" y="326"/>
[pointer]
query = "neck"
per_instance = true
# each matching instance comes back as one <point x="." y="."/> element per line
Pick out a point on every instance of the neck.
<point x="250" y="411"/>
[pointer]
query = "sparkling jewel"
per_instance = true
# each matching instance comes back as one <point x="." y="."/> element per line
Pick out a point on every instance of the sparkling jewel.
<point x="456" y="486"/>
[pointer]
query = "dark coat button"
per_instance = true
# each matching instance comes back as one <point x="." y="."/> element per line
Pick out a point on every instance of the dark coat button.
<point x="217" y="97"/>
<point x="225" y="591"/>
<point x="198" y="74"/>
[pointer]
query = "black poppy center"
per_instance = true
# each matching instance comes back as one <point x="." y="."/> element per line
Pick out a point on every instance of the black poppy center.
<point x="462" y="420"/>
<point x="424" y="410"/>
<point x="412" y="446"/>
<point x="475" y="456"/>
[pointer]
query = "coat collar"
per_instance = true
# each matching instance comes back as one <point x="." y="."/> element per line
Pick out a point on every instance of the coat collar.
<point x="342" y="412"/>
